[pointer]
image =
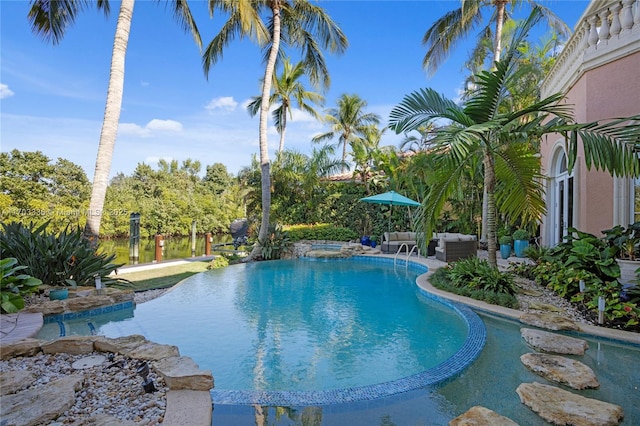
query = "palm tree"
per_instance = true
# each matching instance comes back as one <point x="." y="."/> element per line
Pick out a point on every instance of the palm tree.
<point x="286" y="89"/>
<point x="444" y="34"/>
<point x="348" y="121"/>
<point x="483" y="128"/>
<point x="442" y="37"/>
<point x="50" y="20"/>
<point x="299" y="24"/>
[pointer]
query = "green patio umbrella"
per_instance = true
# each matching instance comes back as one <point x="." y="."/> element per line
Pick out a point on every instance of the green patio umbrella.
<point x="391" y="198"/>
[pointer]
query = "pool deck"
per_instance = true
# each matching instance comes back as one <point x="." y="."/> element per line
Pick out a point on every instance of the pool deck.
<point x="15" y="327"/>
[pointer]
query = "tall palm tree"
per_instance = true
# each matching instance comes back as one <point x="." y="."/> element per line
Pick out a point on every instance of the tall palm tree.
<point x="286" y="89"/>
<point x="348" y="121"/>
<point x="442" y="37"/>
<point x="444" y="34"/>
<point x="50" y="20"/>
<point x="482" y="128"/>
<point x="299" y="24"/>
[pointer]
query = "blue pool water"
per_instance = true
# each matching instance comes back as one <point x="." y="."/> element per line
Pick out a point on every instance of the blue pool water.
<point x="302" y="325"/>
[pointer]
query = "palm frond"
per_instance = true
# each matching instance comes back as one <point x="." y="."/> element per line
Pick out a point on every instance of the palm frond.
<point x="442" y="37"/>
<point x="418" y="109"/>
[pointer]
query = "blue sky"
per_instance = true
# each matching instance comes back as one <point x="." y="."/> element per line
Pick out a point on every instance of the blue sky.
<point x="52" y="97"/>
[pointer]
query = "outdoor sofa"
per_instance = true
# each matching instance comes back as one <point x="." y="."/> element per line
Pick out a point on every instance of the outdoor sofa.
<point x="392" y="241"/>
<point x="453" y="246"/>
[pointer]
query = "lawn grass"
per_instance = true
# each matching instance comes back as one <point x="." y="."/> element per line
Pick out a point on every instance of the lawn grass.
<point x="164" y="277"/>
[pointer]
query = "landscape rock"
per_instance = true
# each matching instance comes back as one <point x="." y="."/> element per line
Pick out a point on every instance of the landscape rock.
<point x="545" y="307"/>
<point x="529" y="292"/>
<point x="561" y="370"/>
<point x="14" y="381"/>
<point x="549" y="321"/>
<point x="24" y="347"/>
<point x="75" y="345"/>
<point x="480" y="416"/>
<point x="183" y="373"/>
<point x="49" y="307"/>
<point x="136" y="346"/>
<point x="560" y="407"/>
<point x="553" y="343"/>
<point x="326" y="254"/>
<point x="40" y="405"/>
<point x="188" y="408"/>
<point x="78" y="304"/>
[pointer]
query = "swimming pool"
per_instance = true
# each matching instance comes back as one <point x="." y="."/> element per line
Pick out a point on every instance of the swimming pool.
<point x="310" y="331"/>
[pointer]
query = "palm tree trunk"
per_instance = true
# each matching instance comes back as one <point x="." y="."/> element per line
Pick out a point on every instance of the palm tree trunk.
<point x="490" y="186"/>
<point x="500" y="5"/>
<point x="264" y="147"/>
<point x="497" y="43"/>
<point x="283" y="130"/>
<point x="110" y="122"/>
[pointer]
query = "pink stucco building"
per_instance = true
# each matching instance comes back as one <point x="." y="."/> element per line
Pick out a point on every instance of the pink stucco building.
<point x="599" y="70"/>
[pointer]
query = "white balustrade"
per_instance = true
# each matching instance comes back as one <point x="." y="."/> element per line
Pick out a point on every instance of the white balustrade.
<point x="607" y="30"/>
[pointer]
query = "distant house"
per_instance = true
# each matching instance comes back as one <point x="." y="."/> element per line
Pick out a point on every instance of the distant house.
<point x="599" y="70"/>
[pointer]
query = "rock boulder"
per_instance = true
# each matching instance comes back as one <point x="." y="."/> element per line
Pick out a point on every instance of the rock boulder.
<point x="183" y="373"/>
<point x="40" y="405"/>
<point x="549" y="321"/>
<point x="480" y="416"/>
<point x="561" y="370"/>
<point x="553" y="343"/>
<point x="560" y="407"/>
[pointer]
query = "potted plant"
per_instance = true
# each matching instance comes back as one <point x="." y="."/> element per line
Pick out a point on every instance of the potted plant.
<point x="625" y="246"/>
<point x="520" y="241"/>
<point x="373" y="241"/>
<point x="505" y="246"/>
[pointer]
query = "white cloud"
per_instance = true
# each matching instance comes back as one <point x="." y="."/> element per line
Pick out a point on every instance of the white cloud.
<point x="164" y="125"/>
<point x="155" y="125"/>
<point x="224" y="102"/>
<point x="133" y="129"/>
<point x="5" y="92"/>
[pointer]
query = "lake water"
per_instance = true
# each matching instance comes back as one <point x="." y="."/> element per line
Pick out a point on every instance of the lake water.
<point x="174" y="248"/>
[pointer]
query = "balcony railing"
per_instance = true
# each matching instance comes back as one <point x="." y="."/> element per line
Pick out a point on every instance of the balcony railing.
<point x="608" y="30"/>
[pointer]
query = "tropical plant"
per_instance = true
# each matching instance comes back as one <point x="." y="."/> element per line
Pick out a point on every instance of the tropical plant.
<point x="276" y="244"/>
<point x="286" y="89"/>
<point x="13" y="285"/>
<point x="625" y="242"/>
<point x="445" y="33"/>
<point x="348" y="122"/>
<point x="320" y="231"/>
<point x="481" y="128"/>
<point x="50" y="20"/>
<point x="66" y="259"/>
<point x="299" y="24"/>
<point x="476" y="279"/>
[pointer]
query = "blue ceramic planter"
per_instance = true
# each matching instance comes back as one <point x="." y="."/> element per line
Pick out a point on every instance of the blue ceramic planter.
<point x="58" y="293"/>
<point x="519" y="246"/>
<point x="505" y="250"/>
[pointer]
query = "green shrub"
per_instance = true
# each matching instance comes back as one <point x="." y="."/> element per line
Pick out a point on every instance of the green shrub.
<point x="477" y="273"/>
<point x="276" y="244"/>
<point x="443" y="279"/>
<point x="66" y="259"/>
<point x="218" y="262"/>
<point x="14" y="286"/>
<point x="506" y="240"/>
<point x="521" y="234"/>
<point x="322" y="231"/>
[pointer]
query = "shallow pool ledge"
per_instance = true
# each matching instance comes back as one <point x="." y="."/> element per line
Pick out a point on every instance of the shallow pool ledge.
<point x="587" y="329"/>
